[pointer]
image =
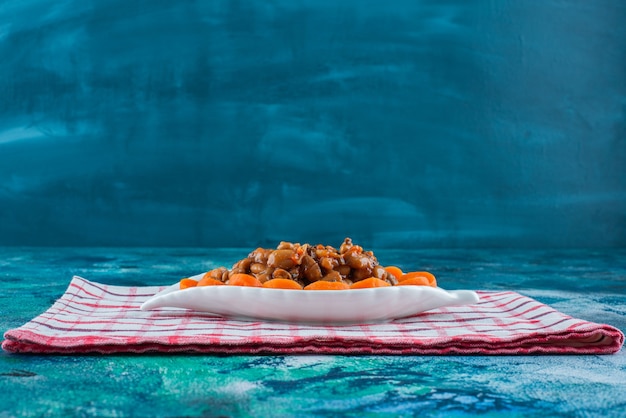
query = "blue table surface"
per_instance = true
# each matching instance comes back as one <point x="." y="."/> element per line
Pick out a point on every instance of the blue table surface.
<point x="587" y="284"/>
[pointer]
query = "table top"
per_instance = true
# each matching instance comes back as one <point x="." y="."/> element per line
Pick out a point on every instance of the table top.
<point x="587" y="284"/>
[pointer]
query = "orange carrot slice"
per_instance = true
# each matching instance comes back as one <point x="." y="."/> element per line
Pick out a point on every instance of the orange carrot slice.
<point x="209" y="281"/>
<point x="186" y="283"/>
<point x="282" y="284"/>
<point x="395" y="271"/>
<point x="369" y="282"/>
<point x="414" y="281"/>
<point x="326" y="285"/>
<point x="242" y="279"/>
<point x="432" y="281"/>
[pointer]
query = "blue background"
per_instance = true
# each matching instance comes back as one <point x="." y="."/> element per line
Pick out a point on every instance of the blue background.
<point x="242" y="123"/>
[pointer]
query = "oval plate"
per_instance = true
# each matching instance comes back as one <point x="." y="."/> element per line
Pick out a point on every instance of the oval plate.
<point x="310" y="306"/>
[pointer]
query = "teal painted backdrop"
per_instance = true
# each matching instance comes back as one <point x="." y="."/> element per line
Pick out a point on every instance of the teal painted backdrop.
<point x="243" y="123"/>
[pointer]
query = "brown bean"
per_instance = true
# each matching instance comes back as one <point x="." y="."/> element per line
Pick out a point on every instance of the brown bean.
<point x="344" y="270"/>
<point x="358" y="261"/>
<point x="256" y="268"/>
<point x="220" y="273"/>
<point x="379" y="272"/>
<point x="332" y="276"/>
<point x="281" y="259"/>
<point x="345" y="246"/>
<point x="260" y="255"/>
<point x="328" y="263"/>
<point x="310" y="269"/>
<point x="281" y="274"/>
<point x="284" y="245"/>
<point x="360" y="274"/>
<point x="243" y="265"/>
<point x="265" y="275"/>
<point x="216" y="272"/>
<point x="321" y="252"/>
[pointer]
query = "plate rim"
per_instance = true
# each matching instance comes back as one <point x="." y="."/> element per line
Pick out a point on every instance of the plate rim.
<point x="265" y="297"/>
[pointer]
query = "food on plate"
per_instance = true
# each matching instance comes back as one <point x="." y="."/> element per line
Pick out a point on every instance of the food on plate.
<point x="419" y="278"/>
<point x="311" y="267"/>
<point x="243" y="279"/>
<point x="395" y="271"/>
<point x="186" y="283"/>
<point x="205" y="281"/>
<point x="281" y="283"/>
<point x="369" y="282"/>
<point x="326" y="285"/>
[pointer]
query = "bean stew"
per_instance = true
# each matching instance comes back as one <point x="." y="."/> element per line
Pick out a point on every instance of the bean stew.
<point x="311" y="267"/>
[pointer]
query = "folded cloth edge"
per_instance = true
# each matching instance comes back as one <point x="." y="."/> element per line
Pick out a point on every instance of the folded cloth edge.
<point x="316" y="347"/>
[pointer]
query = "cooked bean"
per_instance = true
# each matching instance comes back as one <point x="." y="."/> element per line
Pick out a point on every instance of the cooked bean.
<point x="344" y="270"/>
<point x="265" y="275"/>
<point x="328" y="263"/>
<point x="284" y="245"/>
<point x="360" y="274"/>
<point x="242" y="266"/>
<point x="256" y="268"/>
<point x="358" y="261"/>
<point x="220" y="273"/>
<point x="379" y="272"/>
<point x="333" y="276"/>
<point x="281" y="259"/>
<point x="310" y="269"/>
<point x="281" y="274"/>
<point x="321" y="252"/>
<point x="345" y="246"/>
<point x="391" y="279"/>
<point x="260" y="255"/>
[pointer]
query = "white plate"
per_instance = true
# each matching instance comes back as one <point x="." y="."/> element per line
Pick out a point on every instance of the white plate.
<point x="310" y="306"/>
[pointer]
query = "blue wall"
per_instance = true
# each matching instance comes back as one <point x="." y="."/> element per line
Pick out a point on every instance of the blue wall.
<point x="241" y="123"/>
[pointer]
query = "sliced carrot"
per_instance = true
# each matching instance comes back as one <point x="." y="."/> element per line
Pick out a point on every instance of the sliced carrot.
<point x="186" y="283"/>
<point x="242" y="279"/>
<point x="395" y="271"/>
<point x="432" y="281"/>
<point x="369" y="282"/>
<point x="209" y="281"/>
<point x="326" y="285"/>
<point x="414" y="281"/>
<point x="281" y="283"/>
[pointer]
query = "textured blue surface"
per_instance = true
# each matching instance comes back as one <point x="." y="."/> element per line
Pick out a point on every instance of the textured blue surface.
<point x="586" y="284"/>
<point x="240" y="123"/>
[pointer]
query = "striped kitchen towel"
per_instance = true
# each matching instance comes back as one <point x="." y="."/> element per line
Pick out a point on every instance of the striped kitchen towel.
<point x="97" y="318"/>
